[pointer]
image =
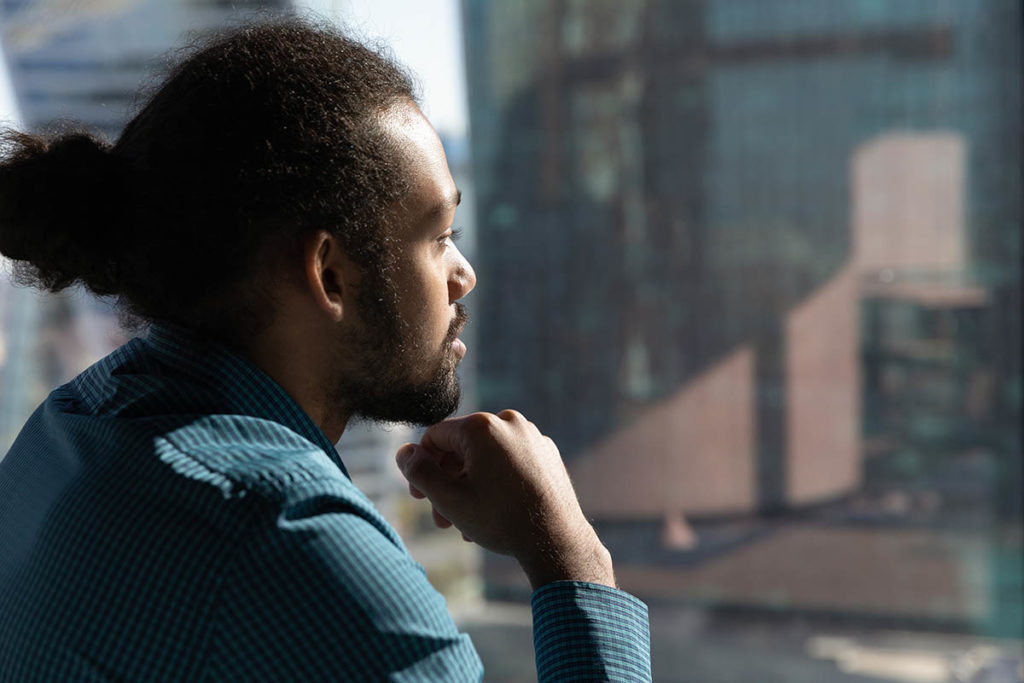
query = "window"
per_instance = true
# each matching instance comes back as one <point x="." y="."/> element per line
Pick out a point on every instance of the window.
<point x="755" y="266"/>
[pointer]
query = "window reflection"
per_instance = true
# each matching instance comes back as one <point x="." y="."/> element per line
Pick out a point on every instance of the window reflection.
<point x="774" y="326"/>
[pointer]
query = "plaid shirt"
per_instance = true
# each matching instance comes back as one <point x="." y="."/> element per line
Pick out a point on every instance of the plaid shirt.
<point x="172" y="514"/>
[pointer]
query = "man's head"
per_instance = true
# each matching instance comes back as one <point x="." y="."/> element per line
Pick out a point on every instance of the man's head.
<point x="395" y="330"/>
<point x="264" y="152"/>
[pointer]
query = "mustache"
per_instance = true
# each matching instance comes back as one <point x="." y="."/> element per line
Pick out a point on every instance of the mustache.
<point x="459" y="322"/>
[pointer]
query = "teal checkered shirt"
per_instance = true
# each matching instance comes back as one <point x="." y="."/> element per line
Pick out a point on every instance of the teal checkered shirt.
<point x="171" y="514"/>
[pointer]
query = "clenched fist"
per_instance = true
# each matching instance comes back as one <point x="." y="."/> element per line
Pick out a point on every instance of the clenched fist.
<point x="503" y="485"/>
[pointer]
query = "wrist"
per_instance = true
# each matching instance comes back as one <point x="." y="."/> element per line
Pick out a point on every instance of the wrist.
<point x="581" y="558"/>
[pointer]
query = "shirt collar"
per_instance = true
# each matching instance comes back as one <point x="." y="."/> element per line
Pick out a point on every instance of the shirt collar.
<point x="244" y="387"/>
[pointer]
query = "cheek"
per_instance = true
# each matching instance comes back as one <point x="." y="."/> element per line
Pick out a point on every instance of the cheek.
<point x="424" y="297"/>
<point x="432" y="282"/>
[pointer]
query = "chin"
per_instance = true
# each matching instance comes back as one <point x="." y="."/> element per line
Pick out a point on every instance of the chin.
<point x="419" y="406"/>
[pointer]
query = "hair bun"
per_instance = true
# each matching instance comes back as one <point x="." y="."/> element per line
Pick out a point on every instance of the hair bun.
<point x="79" y="156"/>
<point x="56" y="209"/>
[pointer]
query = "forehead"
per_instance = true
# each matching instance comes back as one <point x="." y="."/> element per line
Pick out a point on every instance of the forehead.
<point x="431" y="183"/>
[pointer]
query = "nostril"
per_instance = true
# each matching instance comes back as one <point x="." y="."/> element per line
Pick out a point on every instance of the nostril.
<point x="461" y="284"/>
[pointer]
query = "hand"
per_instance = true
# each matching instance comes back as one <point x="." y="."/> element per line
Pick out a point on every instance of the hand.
<point x="503" y="485"/>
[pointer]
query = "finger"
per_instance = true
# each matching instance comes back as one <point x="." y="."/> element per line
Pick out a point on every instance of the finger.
<point x="447" y="435"/>
<point x="404" y="451"/>
<point x="440" y="520"/>
<point x="421" y="470"/>
<point x="448" y="462"/>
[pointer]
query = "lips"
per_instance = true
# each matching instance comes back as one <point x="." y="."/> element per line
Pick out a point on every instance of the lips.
<point x="459" y="347"/>
<point x="458" y="322"/>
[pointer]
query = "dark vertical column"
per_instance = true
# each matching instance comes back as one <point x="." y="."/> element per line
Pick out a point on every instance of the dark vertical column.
<point x="1008" y="301"/>
<point x="676" y="129"/>
<point x="770" y="413"/>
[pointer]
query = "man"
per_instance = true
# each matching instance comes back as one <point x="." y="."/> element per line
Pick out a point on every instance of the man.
<point x="280" y="212"/>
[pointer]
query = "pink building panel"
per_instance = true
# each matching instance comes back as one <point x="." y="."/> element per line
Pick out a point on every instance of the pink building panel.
<point x="691" y="453"/>
<point x="823" y="396"/>
<point x="908" y="202"/>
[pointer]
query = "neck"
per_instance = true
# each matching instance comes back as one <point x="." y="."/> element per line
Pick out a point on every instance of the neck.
<point x="291" y="362"/>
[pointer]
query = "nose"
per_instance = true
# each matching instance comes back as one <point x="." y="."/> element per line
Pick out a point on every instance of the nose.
<point x="462" y="279"/>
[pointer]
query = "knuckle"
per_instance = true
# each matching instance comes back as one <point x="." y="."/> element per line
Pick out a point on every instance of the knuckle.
<point x="478" y="422"/>
<point x="511" y="415"/>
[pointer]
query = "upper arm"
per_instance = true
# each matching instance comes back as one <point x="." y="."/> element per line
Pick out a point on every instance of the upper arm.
<point x="327" y="596"/>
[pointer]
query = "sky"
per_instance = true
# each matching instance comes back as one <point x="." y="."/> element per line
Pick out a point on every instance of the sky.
<point x="426" y="36"/>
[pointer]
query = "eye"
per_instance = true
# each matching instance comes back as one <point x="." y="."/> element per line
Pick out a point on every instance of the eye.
<point x="452" y="235"/>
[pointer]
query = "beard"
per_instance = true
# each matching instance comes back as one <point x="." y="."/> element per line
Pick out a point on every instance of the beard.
<point x="387" y="355"/>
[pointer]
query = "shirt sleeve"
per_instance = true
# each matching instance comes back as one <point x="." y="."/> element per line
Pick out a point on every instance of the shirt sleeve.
<point x="324" y="594"/>
<point x="589" y="632"/>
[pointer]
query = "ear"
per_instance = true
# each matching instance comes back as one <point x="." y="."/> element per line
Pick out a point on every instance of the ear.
<point x="329" y="274"/>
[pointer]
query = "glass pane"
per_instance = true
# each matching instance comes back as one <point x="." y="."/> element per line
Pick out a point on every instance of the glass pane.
<point x="753" y="264"/>
<point x="755" y="267"/>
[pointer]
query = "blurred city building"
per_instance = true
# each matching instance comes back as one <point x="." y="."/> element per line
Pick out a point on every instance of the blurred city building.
<point x="754" y="267"/>
<point x="85" y="62"/>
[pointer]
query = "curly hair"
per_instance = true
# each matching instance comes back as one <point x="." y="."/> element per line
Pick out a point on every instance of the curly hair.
<point x="257" y="137"/>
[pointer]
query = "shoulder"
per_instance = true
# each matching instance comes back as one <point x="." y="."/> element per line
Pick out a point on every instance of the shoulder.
<point x="249" y="457"/>
<point x="243" y="453"/>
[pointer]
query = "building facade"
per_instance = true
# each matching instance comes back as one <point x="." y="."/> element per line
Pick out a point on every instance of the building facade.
<point x="743" y="260"/>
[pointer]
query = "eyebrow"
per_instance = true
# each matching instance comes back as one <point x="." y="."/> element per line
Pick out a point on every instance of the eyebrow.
<point x="446" y="204"/>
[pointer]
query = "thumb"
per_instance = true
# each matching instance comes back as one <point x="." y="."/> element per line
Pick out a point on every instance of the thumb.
<point x="447" y="436"/>
<point x="421" y="469"/>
